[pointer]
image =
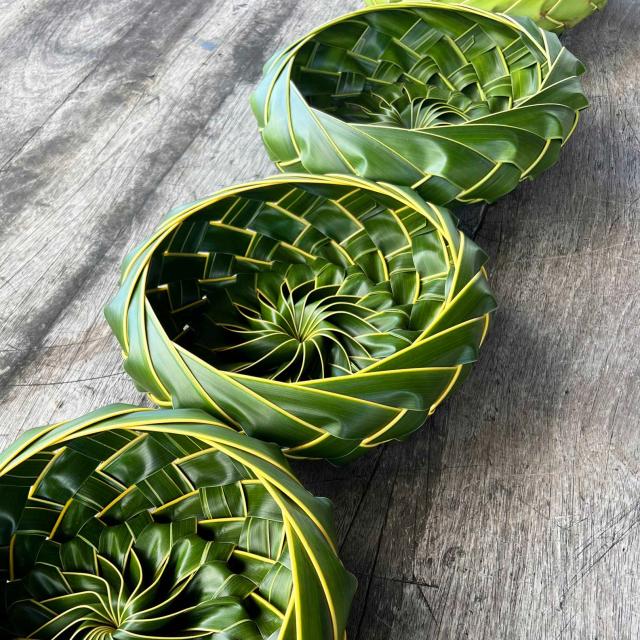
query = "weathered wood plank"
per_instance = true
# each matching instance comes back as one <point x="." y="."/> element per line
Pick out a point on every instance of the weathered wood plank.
<point x="515" y="514"/>
<point x="145" y="131"/>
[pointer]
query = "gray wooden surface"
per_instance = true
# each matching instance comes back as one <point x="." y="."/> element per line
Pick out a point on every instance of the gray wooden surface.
<point x="516" y="513"/>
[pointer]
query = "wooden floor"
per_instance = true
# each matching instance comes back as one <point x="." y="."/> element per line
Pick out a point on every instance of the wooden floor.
<point x="515" y="514"/>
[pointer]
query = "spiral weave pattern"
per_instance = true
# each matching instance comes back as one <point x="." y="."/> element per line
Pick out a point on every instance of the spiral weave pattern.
<point x="130" y="523"/>
<point x="326" y="314"/>
<point x="455" y="102"/>
<point x="553" y="15"/>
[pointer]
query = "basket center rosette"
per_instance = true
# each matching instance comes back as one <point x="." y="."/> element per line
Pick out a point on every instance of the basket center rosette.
<point x="456" y="102"/>
<point x="327" y="314"/>
<point x="130" y="523"/>
<point x="553" y="15"/>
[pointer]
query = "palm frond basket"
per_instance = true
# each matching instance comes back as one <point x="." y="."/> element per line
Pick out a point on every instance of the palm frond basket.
<point x="456" y="102"/>
<point x="327" y="314"/>
<point x="552" y="15"/>
<point x="131" y="523"/>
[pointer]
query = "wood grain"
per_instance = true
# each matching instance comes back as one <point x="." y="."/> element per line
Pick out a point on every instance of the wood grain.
<point x="515" y="514"/>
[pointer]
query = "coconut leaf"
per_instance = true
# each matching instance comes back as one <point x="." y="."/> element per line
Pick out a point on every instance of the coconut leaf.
<point x="130" y="523"/>
<point x="456" y="102"/>
<point x="553" y="15"/>
<point x="326" y="314"/>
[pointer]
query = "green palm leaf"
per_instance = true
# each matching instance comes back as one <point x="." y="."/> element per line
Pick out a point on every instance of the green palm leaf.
<point x="553" y="15"/>
<point x="327" y="314"/>
<point x="130" y="523"/>
<point x="458" y="103"/>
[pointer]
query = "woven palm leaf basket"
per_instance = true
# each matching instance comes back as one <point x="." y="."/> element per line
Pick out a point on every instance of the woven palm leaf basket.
<point x="553" y="15"/>
<point x="458" y="103"/>
<point x="130" y="523"/>
<point x="327" y="314"/>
